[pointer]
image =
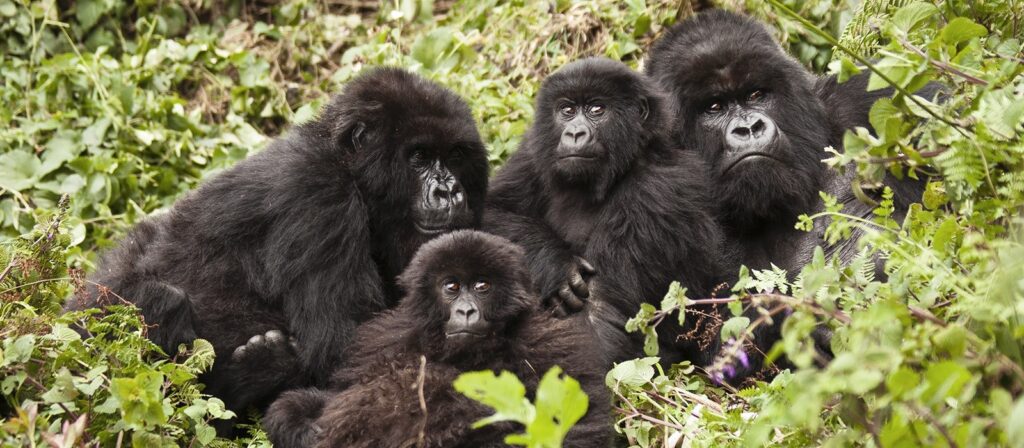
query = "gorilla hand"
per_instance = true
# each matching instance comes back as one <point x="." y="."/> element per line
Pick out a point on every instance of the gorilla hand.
<point x="569" y="289"/>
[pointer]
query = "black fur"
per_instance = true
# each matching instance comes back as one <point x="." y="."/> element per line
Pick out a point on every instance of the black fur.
<point x="638" y="213"/>
<point x="305" y="236"/>
<point x="721" y="57"/>
<point x="378" y="403"/>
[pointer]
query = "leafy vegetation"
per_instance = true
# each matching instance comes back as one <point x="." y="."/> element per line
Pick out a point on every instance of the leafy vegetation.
<point x="122" y="107"/>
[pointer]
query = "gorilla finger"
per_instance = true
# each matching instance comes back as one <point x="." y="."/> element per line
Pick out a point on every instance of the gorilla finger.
<point x="239" y="353"/>
<point x="586" y="267"/>
<point x="569" y="300"/>
<point x="274" y="336"/>
<point x="579" y="286"/>
<point x="255" y="339"/>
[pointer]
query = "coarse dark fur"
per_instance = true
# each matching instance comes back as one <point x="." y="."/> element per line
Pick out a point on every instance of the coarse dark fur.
<point x="719" y="58"/>
<point x="378" y="404"/>
<point x="637" y="212"/>
<point x="305" y="237"/>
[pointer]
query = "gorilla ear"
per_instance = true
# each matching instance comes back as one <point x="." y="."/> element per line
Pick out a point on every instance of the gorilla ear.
<point x="357" y="135"/>
<point x="645" y="109"/>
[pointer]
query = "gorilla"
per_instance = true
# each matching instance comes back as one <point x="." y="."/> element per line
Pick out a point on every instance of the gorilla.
<point x="469" y="307"/>
<point x="761" y="122"/>
<point x="608" y="213"/>
<point x="302" y="240"/>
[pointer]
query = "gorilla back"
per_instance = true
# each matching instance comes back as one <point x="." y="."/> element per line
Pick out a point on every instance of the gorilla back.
<point x="305" y="236"/>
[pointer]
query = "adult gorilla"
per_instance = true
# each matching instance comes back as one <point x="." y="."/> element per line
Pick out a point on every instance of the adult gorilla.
<point x="761" y="121"/>
<point x="608" y="213"/>
<point x="306" y="236"/>
<point x="468" y="308"/>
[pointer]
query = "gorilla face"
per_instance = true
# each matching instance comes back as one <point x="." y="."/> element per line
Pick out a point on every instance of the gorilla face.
<point x="469" y="288"/>
<point x="750" y="111"/>
<point x="415" y="151"/>
<point x="591" y="126"/>
<point x="441" y="203"/>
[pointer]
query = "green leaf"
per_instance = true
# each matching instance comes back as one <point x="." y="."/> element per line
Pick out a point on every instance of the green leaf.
<point x="18" y="350"/>
<point x="8" y="8"/>
<point x="88" y="12"/>
<point x="961" y="29"/>
<point x="908" y="17"/>
<point x="504" y="393"/>
<point x="94" y="135"/>
<point x="63" y="389"/>
<point x="560" y="403"/>
<point x="734" y="327"/>
<point x="429" y="48"/>
<point x="632" y="373"/>
<point x="1014" y="423"/>
<point x="945" y="233"/>
<point x="19" y="170"/>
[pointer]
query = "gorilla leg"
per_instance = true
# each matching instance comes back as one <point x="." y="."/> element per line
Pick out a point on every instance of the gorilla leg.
<point x="168" y="313"/>
<point x="291" y="420"/>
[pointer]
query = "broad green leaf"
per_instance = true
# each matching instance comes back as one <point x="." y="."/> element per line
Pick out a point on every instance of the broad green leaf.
<point x="632" y="373"/>
<point x="504" y="393"/>
<point x="961" y="29"/>
<point x="19" y="170"/>
<point x="908" y="17"/>
<point x="734" y="327"/>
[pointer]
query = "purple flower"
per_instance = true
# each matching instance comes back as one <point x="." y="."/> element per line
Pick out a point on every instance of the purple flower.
<point x="729" y="370"/>
<point x="742" y="357"/>
<point x="717" y="378"/>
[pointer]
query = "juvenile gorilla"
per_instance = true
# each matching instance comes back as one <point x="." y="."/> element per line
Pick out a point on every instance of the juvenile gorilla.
<point x="761" y="121"/>
<point x="305" y="236"/>
<point x="469" y="307"/>
<point x="608" y="213"/>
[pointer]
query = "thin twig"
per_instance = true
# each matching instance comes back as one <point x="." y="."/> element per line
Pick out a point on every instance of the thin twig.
<point x="422" y="436"/>
<point x="941" y="65"/>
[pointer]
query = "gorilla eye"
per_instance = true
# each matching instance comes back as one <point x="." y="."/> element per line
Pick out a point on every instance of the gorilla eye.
<point x="482" y="286"/>
<point x="755" y="95"/>
<point x="568" y="111"/>
<point x="715" y="107"/>
<point x="416" y="156"/>
<point x="596" y="110"/>
<point x="452" y="286"/>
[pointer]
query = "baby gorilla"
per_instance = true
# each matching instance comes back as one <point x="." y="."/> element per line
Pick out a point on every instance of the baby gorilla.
<point x="468" y="307"/>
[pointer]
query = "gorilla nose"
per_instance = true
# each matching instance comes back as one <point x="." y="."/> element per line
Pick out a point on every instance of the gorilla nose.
<point x="575" y="138"/>
<point x="754" y="131"/>
<point x="467" y="313"/>
<point x="447" y="193"/>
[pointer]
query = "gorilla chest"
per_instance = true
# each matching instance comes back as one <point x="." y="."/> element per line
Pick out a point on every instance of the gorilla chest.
<point x="573" y="222"/>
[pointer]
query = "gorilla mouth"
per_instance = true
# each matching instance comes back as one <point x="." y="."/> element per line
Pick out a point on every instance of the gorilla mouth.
<point x="464" y="334"/>
<point x="578" y="156"/>
<point x="431" y="229"/>
<point x="749" y="156"/>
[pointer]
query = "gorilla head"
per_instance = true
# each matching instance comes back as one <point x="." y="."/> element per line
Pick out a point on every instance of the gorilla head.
<point x="395" y="122"/>
<point x="594" y="118"/>
<point x="468" y="290"/>
<point x="750" y="110"/>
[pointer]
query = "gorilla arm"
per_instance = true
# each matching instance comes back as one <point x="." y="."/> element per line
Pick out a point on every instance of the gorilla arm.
<point x="514" y="212"/>
<point x="315" y="260"/>
<point x="659" y="233"/>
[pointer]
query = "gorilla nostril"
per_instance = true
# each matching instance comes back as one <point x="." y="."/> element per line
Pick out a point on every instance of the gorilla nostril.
<point x="758" y="128"/>
<point x="741" y="131"/>
<point x="576" y="136"/>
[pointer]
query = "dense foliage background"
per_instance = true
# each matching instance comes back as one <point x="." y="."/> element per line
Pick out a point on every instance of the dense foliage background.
<point x="122" y="107"/>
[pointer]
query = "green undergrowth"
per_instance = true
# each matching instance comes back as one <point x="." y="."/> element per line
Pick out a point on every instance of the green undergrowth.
<point x="121" y="107"/>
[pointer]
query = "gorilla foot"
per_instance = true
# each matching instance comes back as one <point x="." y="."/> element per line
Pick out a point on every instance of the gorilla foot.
<point x="272" y="345"/>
